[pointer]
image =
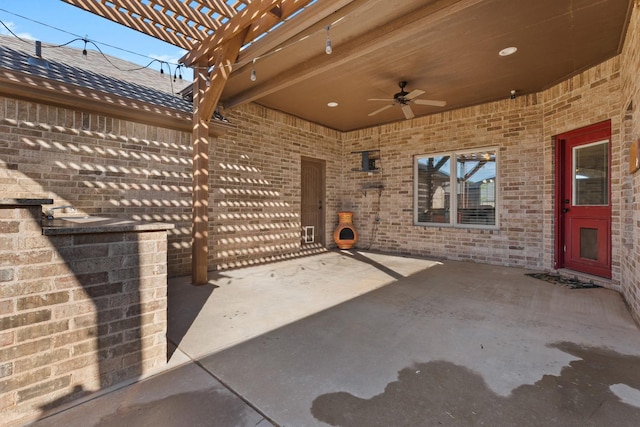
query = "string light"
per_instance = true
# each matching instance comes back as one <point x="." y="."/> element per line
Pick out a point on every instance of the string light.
<point x="71" y="34"/>
<point x="328" y="48"/>
<point x="177" y="73"/>
<point x="253" y="70"/>
<point x="253" y="76"/>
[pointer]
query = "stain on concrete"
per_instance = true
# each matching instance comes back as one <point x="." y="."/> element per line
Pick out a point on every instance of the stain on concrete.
<point x="204" y="408"/>
<point x="440" y="393"/>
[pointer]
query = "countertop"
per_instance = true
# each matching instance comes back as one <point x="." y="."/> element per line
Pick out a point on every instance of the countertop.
<point x="97" y="224"/>
<point x="87" y="224"/>
<point x="25" y="202"/>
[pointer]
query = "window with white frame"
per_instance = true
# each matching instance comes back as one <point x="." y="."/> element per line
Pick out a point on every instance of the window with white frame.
<point x="457" y="188"/>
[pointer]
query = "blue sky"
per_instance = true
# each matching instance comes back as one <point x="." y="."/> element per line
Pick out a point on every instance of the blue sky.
<point x="70" y="19"/>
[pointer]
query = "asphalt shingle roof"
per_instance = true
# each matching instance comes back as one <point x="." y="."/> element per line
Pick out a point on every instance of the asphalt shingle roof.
<point x="68" y="65"/>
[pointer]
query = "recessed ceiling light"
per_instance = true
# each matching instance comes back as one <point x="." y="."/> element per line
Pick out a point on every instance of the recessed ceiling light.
<point x="332" y="104"/>
<point x="508" y="51"/>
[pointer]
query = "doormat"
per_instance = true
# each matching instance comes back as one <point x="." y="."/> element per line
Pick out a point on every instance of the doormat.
<point x="565" y="281"/>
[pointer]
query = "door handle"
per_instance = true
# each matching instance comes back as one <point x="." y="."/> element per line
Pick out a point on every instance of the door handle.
<point x="320" y="205"/>
<point x="565" y="210"/>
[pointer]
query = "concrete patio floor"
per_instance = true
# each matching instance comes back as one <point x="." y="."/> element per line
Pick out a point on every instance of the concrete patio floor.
<point x="366" y="339"/>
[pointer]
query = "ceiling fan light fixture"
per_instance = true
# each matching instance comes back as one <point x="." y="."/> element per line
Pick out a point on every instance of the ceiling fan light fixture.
<point x="508" y="51"/>
<point x="404" y="98"/>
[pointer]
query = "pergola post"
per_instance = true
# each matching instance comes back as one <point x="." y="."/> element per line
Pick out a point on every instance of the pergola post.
<point x="200" y="193"/>
<point x="212" y="43"/>
<point x="206" y="94"/>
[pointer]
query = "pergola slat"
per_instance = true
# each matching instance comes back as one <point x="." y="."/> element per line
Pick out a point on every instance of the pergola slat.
<point x="200" y="19"/>
<point x="221" y="7"/>
<point x="168" y="22"/>
<point x="229" y="30"/>
<point x="137" y="24"/>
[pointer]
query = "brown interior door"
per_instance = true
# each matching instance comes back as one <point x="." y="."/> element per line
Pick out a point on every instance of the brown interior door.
<point x="584" y="202"/>
<point x="312" y="201"/>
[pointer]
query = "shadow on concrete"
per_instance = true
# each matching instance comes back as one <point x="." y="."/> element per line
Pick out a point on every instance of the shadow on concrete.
<point x="356" y="255"/>
<point x="182" y="396"/>
<point x="183" y="307"/>
<point x="442" y="393"/>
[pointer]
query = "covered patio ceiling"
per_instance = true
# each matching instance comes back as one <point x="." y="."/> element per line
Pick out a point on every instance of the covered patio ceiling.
<point x="446" y="48"/>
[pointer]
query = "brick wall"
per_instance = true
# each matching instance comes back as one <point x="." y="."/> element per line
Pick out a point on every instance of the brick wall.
<point x="101" y="166"/>
<point x="512" y="125"/>
<point x="523" y="129"/>
<point x="256" y="172"/>
<point x="116" y="168"/>
<point x="630" y="184"/>
<point x="119" y="168"/>
<point x="588" y="98"/>
<point x="77" y="312"/>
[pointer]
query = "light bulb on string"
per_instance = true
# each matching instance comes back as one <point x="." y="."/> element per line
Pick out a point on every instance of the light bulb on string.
<point x="253" y="71"/>
<point x="328" y="48"/>
<point x="178" y="73"/>
<point x="84" y="50"/>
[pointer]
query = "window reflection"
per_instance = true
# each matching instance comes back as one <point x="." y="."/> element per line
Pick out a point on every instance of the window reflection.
<point x="434" y="189"/>
<point x="591" y="174"/>
<point x="473" y="176"/>
<point x="476" y="187"/>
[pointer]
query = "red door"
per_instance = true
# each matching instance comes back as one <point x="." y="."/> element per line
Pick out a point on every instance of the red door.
<point x="584" y="200"/>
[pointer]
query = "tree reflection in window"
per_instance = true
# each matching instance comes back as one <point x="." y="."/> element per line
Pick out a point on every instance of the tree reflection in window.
<point x="473" y="176"/>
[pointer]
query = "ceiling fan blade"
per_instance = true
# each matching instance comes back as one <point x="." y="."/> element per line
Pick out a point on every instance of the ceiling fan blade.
<point x="430" y="102"/>
<point x="414" y="94"/>
<point x="380" y="99"/>
<point x="380" y="110"/>
<point x="408" y="113"/>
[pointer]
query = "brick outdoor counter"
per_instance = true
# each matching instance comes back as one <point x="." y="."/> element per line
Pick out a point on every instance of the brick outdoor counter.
<point x="82" y="306"/>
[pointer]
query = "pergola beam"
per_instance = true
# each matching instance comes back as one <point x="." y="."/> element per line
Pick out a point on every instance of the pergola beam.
<point x="305" y="19"/>
<point x="238" y="23"/>
<point x="382" y="37"/>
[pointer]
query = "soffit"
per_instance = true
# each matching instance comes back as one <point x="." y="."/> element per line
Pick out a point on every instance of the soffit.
<point x="448" y="48"/>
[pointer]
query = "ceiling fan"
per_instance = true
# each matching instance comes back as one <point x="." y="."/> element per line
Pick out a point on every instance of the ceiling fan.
<point x="403" y="99"/>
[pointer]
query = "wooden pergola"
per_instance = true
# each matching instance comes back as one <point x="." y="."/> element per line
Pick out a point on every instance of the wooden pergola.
<point x="214" y="33"/>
